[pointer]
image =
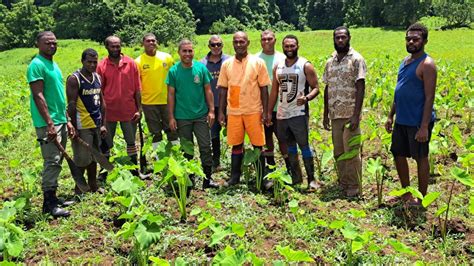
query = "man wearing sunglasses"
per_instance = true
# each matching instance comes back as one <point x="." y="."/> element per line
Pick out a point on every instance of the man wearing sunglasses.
<point x="213" y="62"/>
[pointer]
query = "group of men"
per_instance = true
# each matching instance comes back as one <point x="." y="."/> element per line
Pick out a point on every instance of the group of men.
<point x="259" y="95"/>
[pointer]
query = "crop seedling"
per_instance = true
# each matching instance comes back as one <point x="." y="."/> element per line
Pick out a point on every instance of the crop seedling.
<point x="281" y="184"/>
<point x="378" y="171"/>
<point x="252" y="159"/>
<point x="11" y="236"/>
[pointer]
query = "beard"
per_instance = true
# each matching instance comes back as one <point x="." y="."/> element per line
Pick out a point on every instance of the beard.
<point x="413" y="49"/>
<point x="291" y="55"/>
<point x="344" y="49"/>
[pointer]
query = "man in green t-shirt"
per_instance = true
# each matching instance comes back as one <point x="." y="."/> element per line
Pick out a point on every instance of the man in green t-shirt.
<point x="48" y="110"/>
<point x="191" y="105"/>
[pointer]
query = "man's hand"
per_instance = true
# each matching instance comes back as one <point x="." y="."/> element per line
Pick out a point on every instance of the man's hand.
<point x="269" y="121"/>
<point x="221" y="119"/>
<point x="326" y="123"/>
<point x="51" y="131"/>
<point x="211" y="117"/>
<point x="173" y="125"/>
<point x="388" y="125"/>
<point x="354" y="122"/>
<point x="302" y="100"/>
<point x="103" y="131"/>
<point x="422" y="134"/>
<point x="136" y="117"/>
<point x="265" y="118"/>
<point x="71" y="131"/>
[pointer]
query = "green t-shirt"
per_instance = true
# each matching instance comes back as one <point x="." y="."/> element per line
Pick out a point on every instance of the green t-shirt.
<point x="271" y="61"/>
<point x="48" y="71"/>
<point x="190" y="98"/>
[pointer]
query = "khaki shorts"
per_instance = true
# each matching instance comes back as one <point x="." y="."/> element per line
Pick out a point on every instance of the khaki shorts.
<point x="82" y="156"/>
<point x="238" y="125"/>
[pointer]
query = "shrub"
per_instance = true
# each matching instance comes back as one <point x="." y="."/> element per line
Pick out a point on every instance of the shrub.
<point x="229" y="25"/>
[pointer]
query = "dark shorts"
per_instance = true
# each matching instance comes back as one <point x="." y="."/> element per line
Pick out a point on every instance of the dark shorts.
<point x="405" y="145"/>
<point x="293" y="131"/>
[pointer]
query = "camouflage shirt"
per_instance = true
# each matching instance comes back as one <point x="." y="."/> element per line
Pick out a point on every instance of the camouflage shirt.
<point x="341" y="77"/>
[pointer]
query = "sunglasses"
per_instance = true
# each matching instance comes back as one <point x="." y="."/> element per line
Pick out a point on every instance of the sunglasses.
<point x="217" y="44"/>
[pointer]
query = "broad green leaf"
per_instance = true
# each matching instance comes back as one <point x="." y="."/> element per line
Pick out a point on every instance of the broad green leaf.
<point x="219" y="234"/>
<point x="373" y="248"/>
<point x="415" y="192"/>
<point x="158" y="261"/>
<point x="398" y="193"/>
<point x="180" y="262"/>
<point x="230" y="257"/>
<point x="175" y="167"/>
<point x="441" y="210"/>
<point x="429" y="198"/>
<point x="158" y="166"/>
<point x="462" y="176"/>
<point x="187" y="146"/>
<point x="327" y="156"/>
<point x="337" y="224"/>
<point x="123" y="186"/>
<point x="294" y="255"/>
<point x="419" y="263"/>
<point x="251" y="156"/>
<point x="349" y="231"/>
<point x="321" y="223"/>
<point x="355" y="140"/>
<point x="194" y="167"/>
<point x="147" y="234"/>
<point x="457" y="135"/>
<point x="348" y="155"/>
<point x="205" y="224"/>
<point x="126" y="216"/>
<point x="14" y="245"/>
<point x="293" y="205"/>
<point x="400" y="247"/>
<point x="127" y="230"/>
<point x="256" y="261"/>
<point x="7" y="263"/>
<point x="238" y="229"/>
<point x="356" y="246"/>
<point x="195" y="211"/>
<point x="122" y="200"/>
<point x="14" y="163"/>
<point x="357" y="213"/>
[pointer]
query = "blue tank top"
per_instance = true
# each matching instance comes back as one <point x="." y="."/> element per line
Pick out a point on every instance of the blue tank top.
<point x="88" y="101"/>
<point x="410" y="95"/>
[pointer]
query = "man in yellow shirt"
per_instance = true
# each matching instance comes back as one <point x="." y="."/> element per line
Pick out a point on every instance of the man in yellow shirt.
<point x="154" y="66"/>
<point x="243" y="82"/>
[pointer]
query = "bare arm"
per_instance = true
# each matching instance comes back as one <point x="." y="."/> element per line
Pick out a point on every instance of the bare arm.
<point x="389" y="123"/>
<point x="312" y="80"/>
<point x="273" y="94"/>
<point x="72" y="93"/>
<point x="37" y="89"/>
<point x="222" y="104"/>
<point x="138" y="103"/>
<point x="171" y="104"/>
<point x="326" y="123"/>
<point x="264" y="99"/>
<point x="210" y="104"/>
<point x="429" y="82"/>
<point x="360" y="92"/>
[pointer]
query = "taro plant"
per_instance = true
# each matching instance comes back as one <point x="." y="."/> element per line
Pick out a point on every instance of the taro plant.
<point x="252" y="160"/>
<point x="355" y="145"/>
<point x="377" y="170"/>
<point x="281" y="184"/>
<point x="219" y="231"/>
<point x="176" y="172"/>
<point x="293" y="256"/>
<point x="11" y="235"/>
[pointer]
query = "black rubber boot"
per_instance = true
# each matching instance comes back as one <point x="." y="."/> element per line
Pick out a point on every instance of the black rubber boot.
<point x="260" y="163"/>
<point x="50" y="205"/>
<point x="309" y="166"/>
<point x="235" y="169"/>
<point x="216" y="152"/>
<point x="134" y="160"/>
<point x="296" y="174"/>
<point x="208" y="182"/>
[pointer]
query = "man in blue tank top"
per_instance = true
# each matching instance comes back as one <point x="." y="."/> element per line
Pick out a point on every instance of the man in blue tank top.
<point x="87" y="111"/>
<point x="413" y="110"/>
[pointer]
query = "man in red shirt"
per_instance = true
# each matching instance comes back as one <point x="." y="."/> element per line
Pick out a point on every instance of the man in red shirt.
<point x="121" y="89"/>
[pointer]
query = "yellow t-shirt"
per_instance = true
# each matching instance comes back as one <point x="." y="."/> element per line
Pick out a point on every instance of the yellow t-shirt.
<point x="243" y="80"/>
<point x="153" y="71"/>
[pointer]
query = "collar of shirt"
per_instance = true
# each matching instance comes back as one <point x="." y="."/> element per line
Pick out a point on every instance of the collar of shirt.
<point x="349" y="53"/>
<point x="245" y="59"/>
<point x="122" y="61"/>
<point x="220" y="59"/>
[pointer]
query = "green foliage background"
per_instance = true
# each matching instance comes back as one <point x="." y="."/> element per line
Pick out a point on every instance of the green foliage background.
<point x="172" y="20"/>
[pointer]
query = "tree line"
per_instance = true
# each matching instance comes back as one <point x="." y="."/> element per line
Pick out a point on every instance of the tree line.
<point x="172" y="20"/>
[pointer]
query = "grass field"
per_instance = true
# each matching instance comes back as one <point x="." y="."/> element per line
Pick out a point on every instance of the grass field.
<point x="232" y="226"/>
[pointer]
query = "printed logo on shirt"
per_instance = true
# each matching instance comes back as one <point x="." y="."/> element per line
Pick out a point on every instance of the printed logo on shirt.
<point x="165" y="65"/>
<point x="146" y="66"/>
<point x="197" y="79"/>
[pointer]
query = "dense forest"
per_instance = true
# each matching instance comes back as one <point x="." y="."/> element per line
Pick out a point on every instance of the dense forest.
<point x="172" y="20"/>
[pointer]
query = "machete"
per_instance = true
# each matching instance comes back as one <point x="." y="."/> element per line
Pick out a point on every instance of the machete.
<point x="98" y="156"/>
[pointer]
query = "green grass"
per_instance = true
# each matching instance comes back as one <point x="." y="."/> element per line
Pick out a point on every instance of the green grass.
<point x="89" y="236"/>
